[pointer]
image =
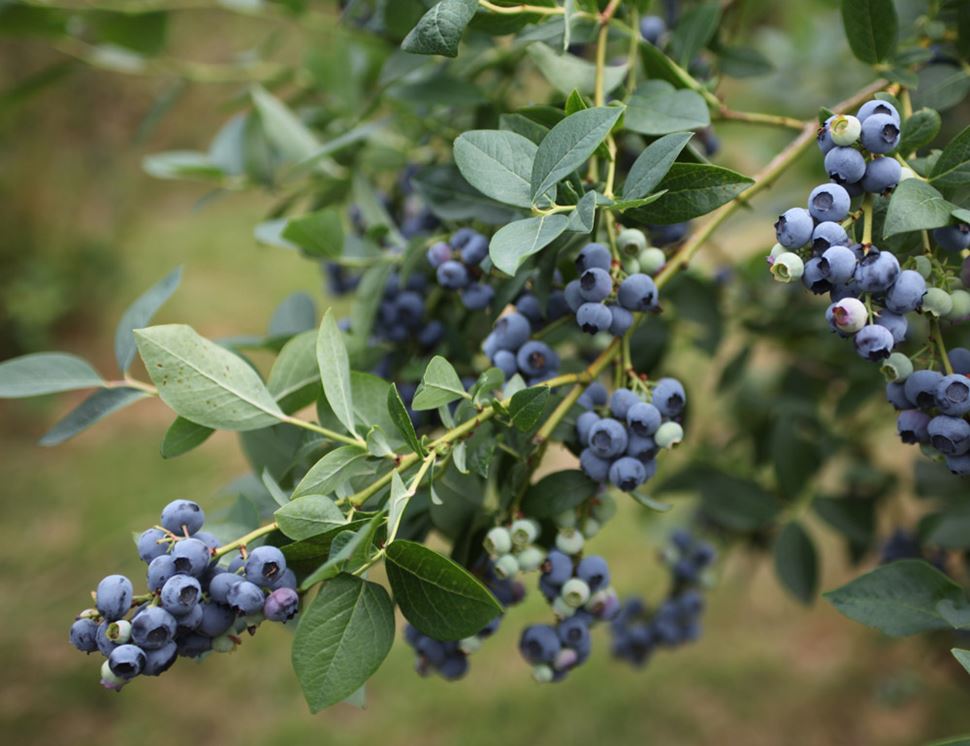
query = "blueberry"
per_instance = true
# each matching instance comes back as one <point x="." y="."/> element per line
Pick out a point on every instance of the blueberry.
<point x="573" y="632"/>
<point x="949" y="435"/>
<point x="595" y="571"/>
<point x="837" y="264"/>
<point x="438" y="254"/>
<point x="584" y="423"/>
<point x="594" y="317"/>
<point x="462" y="236"/>
<point x="828" y="234"/>
<point x="539" y="644"/>
<point x="638" y="292"/>
<point x="877" y="106"/>
<point x="621" y="401"/>
<point x="669" y="397"/>
<point x="877" y="271"/>
<point x="596" y="468"/>
<point x="182" y="516"/>
<point x="953" y="395"/>
<point x="593" y="255"/>
<point x="281" y="605"/>
<point x="264" y="565"/>
<point x="431" y="333"/>
<point x="574" y="298"/>
<point x="621" y="322"/>
<point x="113" y="597"/>
<point x="607" y="438"/>
<point x="627" y="473"/>
<point x="511" y="331"/>
<point x="433" y="651"/>
<point x="874" y="342"/>
<point x="595" y="395"/>
<point x="477" y="296"/>
<point x="953" y="237"/>
<point x="896" y="395"/>
<point x="896" y="324"/>
<point x="408" y="308"/>
<point x="642" y="448"/>
<point x="959" y="465"/>
<point x="191" y="557"/>
<point x="666" y="235"/>
<point x="194" y="645"/>
<point x="920" y="388"/>
<point x="829" y="203"/>
<point x="813" y="277"/>
<point x="219" y="586"/>
<point x="452" y="275"/>
<point x="595" y="285"/>
<point x="152" y="628"/>
<point x="824" y="137"/>
<point x="180" y="594"/>
<point x="907" y="292"/>
<point x="535" y="358"/>
<point x="475" y="250"/>
<point x="960" y="360"/>
<point x="794" y="228"/>
<point x="188" y="623"/>
<point x="454" y="667"/>
<point x="245" y="598"/>
<point x="84" y="635"/>
<point x="911" y="425"/>
<point x="669" y="435"/>
<point x="880" y="134"/>
<point x="216" y="620"/>
<point x="557" y="567"/>
<point x="126" y="661"/>
<point x="652" y="28"/>
<point x="847" y="316"/>
<point x="845" y="166"/>
<point x="152" y="544"/>
<point x="505" y="361"/>
<point x="882" y="175"/>
<point x="556" y="306"/>
<point x="160" y="570"/>
<point x="643" y="419"/>
<point x="530" y="307"/>
<point x="845" y="129"/>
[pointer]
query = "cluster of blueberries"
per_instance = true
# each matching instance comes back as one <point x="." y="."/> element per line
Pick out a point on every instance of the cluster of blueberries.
<point x="589" y="295"/>
<point x="620" y="447"/>
<point x="510" y="349"/>
<point x="401" y="313"/>
<point x="871" y="294"/>
<point x="457" y="265"/>
<point x="449" y="659"/>
<point x="637" y="631"/>
<point x="193" y="605"/>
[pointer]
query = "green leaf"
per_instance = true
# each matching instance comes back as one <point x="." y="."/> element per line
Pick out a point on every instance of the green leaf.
<point x="450" y="197"/>
<point x="629" y="204"/>
<point x="294" y="379"/>
<point x="570" y="144"/>
<point x="693" y="189"/>
<point x="900" y="598"/>
<point x="439" y="385"/>
<point x="335" y="371"/>
<point x="963" y="657"/>
<point x="941" y="87"/>
<point x="566" y="72"/>
<point x="335" y="468"/>
<point x="915" y="206"/>
<point x="527" y="406"/>
<point x="498" y="164"/>
<point x="402" y="420"/>
<point x="349" y="550"/>
<point x="297" y="313"/>
<point x="97" y="406"/>
<point x="273" y="488"/>
<point x="377" y="443"/>
<point x="558" y="492"/>
<point x="871" y="27"/>
<point x="796" y="562"/>
<point x="512" y="244"/>
<point x="952" y="168"/>
<point x="309" y="515"/>
<point x="583" y="217"/>
<point x="342" y="639"/>
<point x="694" y="30"/>
<point x="139" y="313"/>
<point x="524" y="126"/>
<point x="46" y="373"/>
<point x="919" y="130"/>
<point x="204" y="382"/>
<point x="182" y="436"/>
<point x="182" y="164"/>
<point x="743" y="62"/>
<point x="657" y="108"/>
<point x="289" y="136"/>
<point x="440" y="29"/>
<point x="438" y="596"/>
<point x="653" y="164"/>
<point x="319" y="234"/>
<point x="370" y="407"/>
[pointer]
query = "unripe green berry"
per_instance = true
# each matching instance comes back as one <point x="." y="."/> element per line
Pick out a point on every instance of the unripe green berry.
<point x="569" y="541"/>
<point x="604" y="507"/>
<point x="506" y="566"/>
<point x="561" y="609"/>
<point x="530" y="558"/>
<point x="961" y="306"/>
<point x="119" y="632"/>
<point x="543" y="674"/>
<point x="668" y="435"/>
<point x="787" y="267"/>
<point x="631" y="241"/>
<point x="524" y="532"/>
<point x="575" y="592"/>
<point x="937" y="302"/>
<point x="897" y="367"/>
<point x="223" y="644"/>
<point x="89" y="614"/>
<point x="845" y="129"/>
<point x="498" y="541"/>
<point x="630" y="265"/>
<point x="923" y="265"/>
<point x="776" y="251"/>
<point x="598" y="599"/>
<point x="470" y="645"/>
<point x="591" y="527"/>
<point x="109" y="679"/>
<point x="652" y="260"/>
<point x="566" y="519"/>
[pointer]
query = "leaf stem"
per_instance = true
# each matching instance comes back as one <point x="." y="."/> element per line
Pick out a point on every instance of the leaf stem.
<point x="326" y="432"/>
<point x="866" y="222"/>
<point x="937" y="337"/>
<point x="755" y="117"/>
<point x="511" y="10"/>
<point x="244" y="540"/>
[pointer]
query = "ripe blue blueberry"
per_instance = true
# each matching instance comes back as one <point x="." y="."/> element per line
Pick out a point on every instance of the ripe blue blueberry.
<point x="573" y="633"/>
<point x="643" y="419"/>
<point x="84" y="635"/>
<point x="160" y="570"/>
<point x="593" y="255"/>
<point x="152" y="628"/>
<point x="838" y="264"/>
<point x="794" y="228"/>
<point x="896" y="395"/>
<point x="895" y="323"/>
<point x="462" y="236"/>
<point x="845" y="166"/>
<point x="622" y="321"/>
<point x="960" y="360"/>
<point x="505" y="361"/>
<point x="454" y="666"/>
<point x="438" y="254"/>
<point x="953" y="395"/>
<point x="882" y="175"/>
<point x="642" y="448"/>
<point x="627" y="473"/>
<point x="813" y="277"/>
<point x="475" y="250"/>
<point x="621" y="401"/>
<point x="607" y="438"/>
<point x="595" y="395"/>
<point x="953" y="237"/>
<point x="877" y="271"/>
<point x="920" y="388"/>
<point x="408" y="308"/>
<point x="638" y="292"/>
<point x="539" y="644"/>
<point x="594" y="317"/>
<point x="669" y="397"/>
<point x="452" y="275"/>
<point x="595" y="285"/>
<point x="880" y="133"/>
<point x="911" y="424"/>
<point x="194" y="645"/>
<point x="874" y="342"/>
<point x="208" y="539"/>
<point x="596" y="468"/>
<point x="152" y="544"/>
<point x="824" y="137"/>
<point x="907" y="292"/>
<point x="530" y="307"/>
<point x="160" y="660"/>
<point x="949" y="435"/>
<point x="182" y="516"/>
<point x="180" y="594"/>
<point x="477" y="296"/>
<point x="219" y="586"/>
<point x="536" y="358"/>
<point x="828" y="234"/>
<point x="595" y="571"/>
<point x="829" y="203"/>
<point x="216" y="619"/>
<point x="281" y="605"/>
<point x="188" y="623"/>
<point x="877" y="106"/>
<point x="511" y="331"/>
<point x="556" y="306"/>
<point x="584" y="423"/>
<point x="959" y="465"/>
<point x="113" y="597"/>
<point x="191" y="557"/>
<point x="245" y="598"/>
<point x="264" y="565"/>
<point x="573" y="297"/>
<point x="126" y="661"/>
<point x="557" y="567"/>
<point x="652" y="28"/>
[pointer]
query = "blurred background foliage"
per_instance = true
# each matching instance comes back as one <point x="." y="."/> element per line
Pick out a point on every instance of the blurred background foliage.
<point x="786" y="423"/>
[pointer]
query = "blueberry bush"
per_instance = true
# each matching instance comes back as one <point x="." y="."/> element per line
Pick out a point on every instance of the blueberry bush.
<point x="507" y="281"/>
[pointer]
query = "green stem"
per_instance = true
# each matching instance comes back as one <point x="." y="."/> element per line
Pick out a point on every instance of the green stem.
<point x="937" y="337"/>
<point x="512" y="10"/>
<point x="866" y="222"/>
<point x="755" y="117"/>
<point x="325" y="432"/>
<point x="244" y="540"/>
